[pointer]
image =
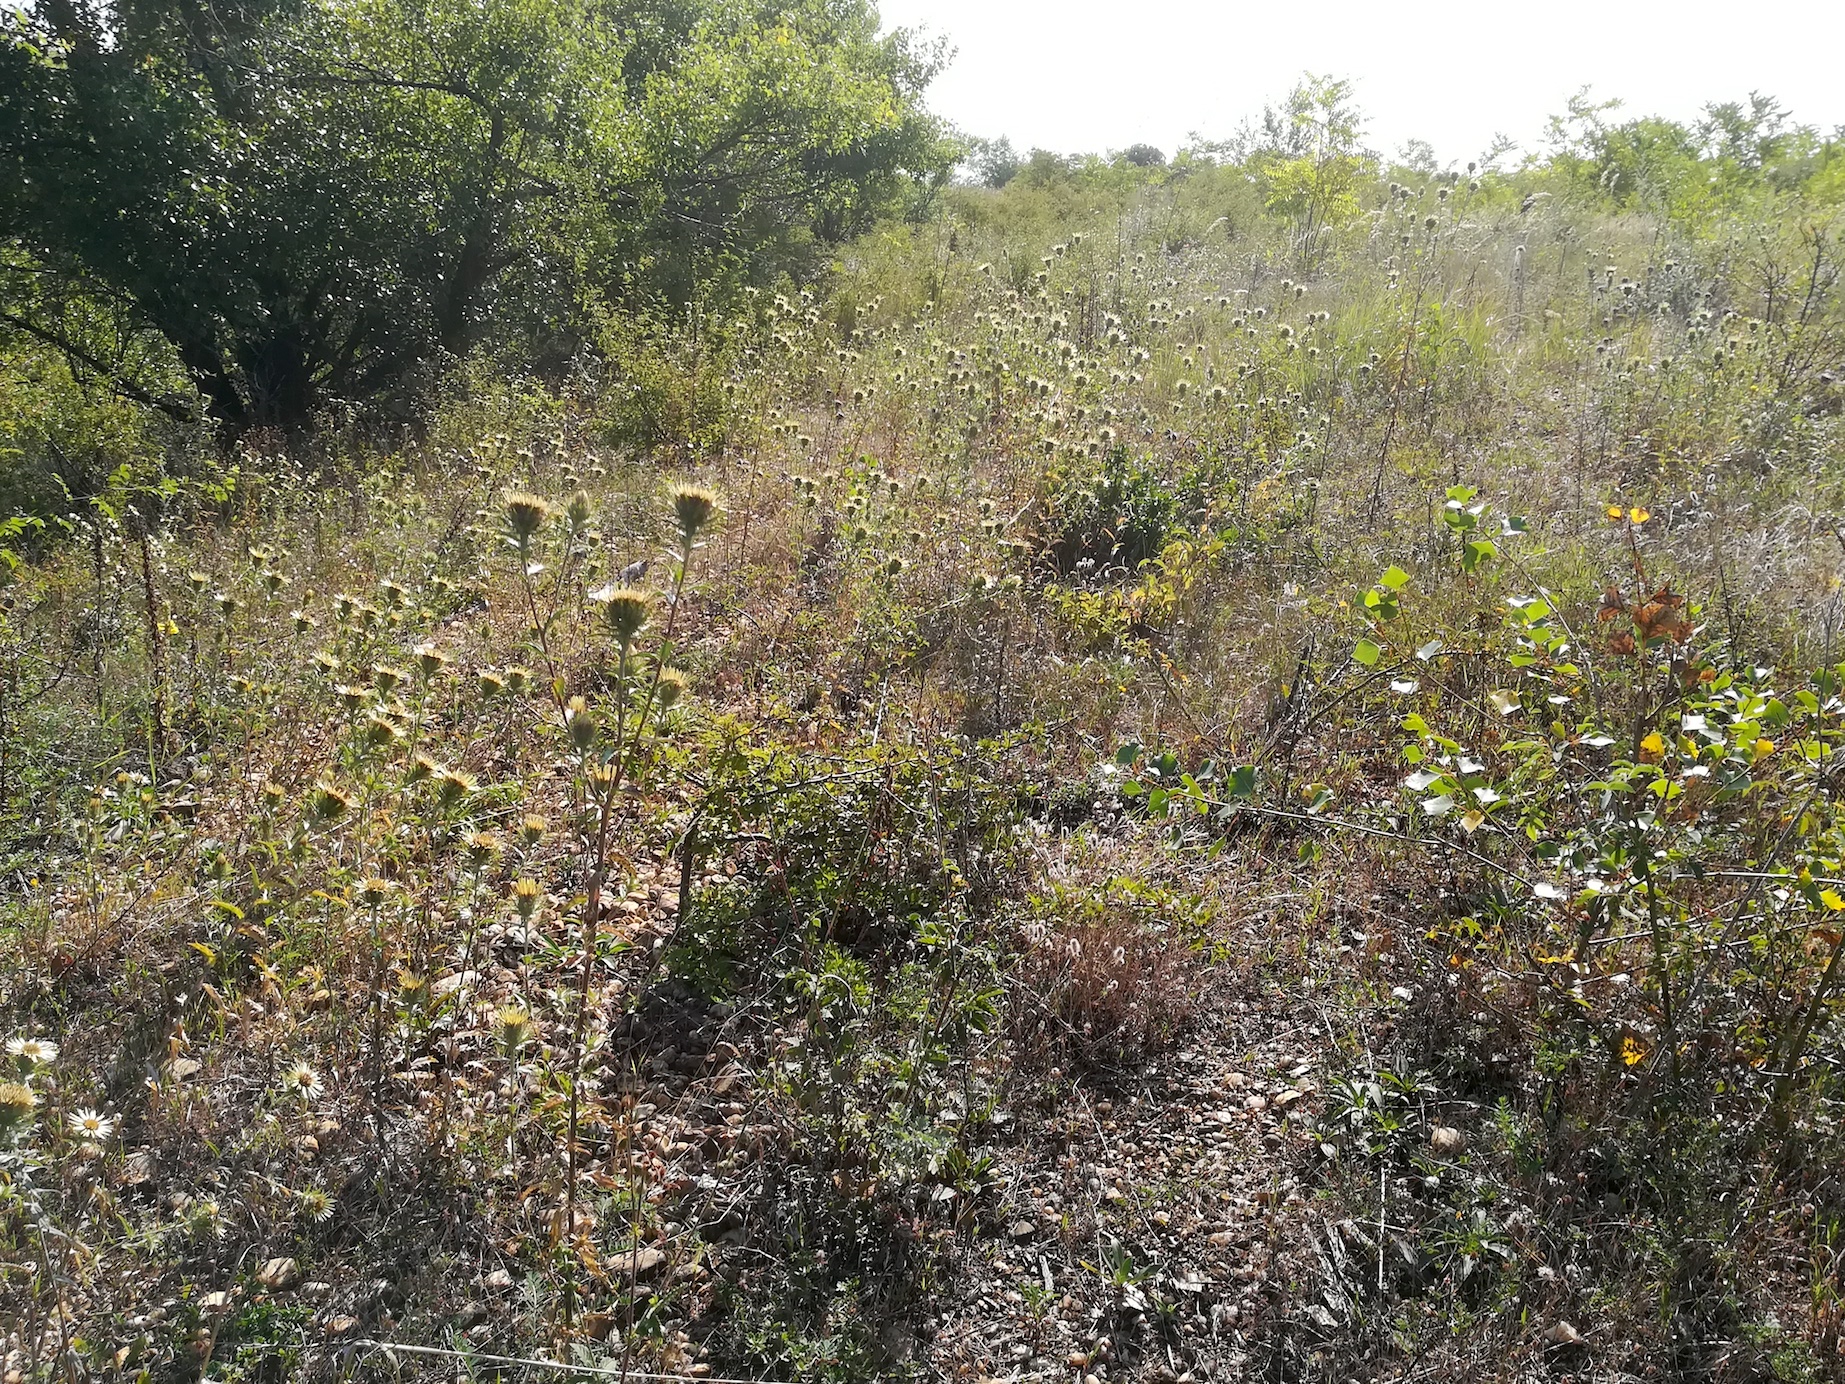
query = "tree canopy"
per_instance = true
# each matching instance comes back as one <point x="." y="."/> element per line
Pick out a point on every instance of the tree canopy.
<point x="312" y="199"/>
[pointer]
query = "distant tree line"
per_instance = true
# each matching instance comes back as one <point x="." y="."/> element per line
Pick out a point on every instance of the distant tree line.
<point x="246" y="209"/>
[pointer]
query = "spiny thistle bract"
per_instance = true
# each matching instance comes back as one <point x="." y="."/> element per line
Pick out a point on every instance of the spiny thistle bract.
<point x="525" y="515"/>
<point x="693" y="508"/>
<point x="526" y="895"/>
<point x="625" y="610"/>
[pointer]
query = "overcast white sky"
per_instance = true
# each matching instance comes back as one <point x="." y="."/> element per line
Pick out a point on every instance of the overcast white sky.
<point x="1081" y="75"/>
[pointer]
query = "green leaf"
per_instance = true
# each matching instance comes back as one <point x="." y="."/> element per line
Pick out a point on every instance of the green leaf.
<point x="1394" y="578"/>
<point x="1128" y="753"/>
<point x="1367" y="653"/>
<point x="1243" y="781"/>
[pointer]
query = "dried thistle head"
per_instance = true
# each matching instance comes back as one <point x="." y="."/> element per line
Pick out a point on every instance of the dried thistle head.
<point x="489" y="684"/>
<point x="429" y="660"/>
<point x="693" y="507"/>
<point x="421" y="767"/>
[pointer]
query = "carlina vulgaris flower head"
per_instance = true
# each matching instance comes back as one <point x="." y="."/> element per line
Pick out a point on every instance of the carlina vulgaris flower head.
<point x="421" y="767"/>
<point x="513" y="1027"/>
<point x="92" y="1126"/>
<point x="381" y="731"/>
<point x="625" y="610"/>
<point x="577" y="511"/>
<point x="429" y="661"/>
<point x="352" y="698"/>
<point x="694" y="506"/>
<point x="580" y="723"/>
<point x="373" y="892"/>
<point x="31" y="1053"/>
<point x="17" y="1102"/>
<point x="454" y="786"/>
<point x="526" y="895"/>
<point x="386" y="678"/>
<point x="673" y="684"/>
<point x="519" y="681"/>
<point x="525" y="515"/>
<point x="327" y="804"/>
<point x="482" y="847"/>
<point x="489" y="683"/>
<point x="301" y="1081"/>
<point x="532" y="829"/>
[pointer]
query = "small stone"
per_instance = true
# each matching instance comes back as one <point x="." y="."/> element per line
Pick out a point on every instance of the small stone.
<point x="279" y="1275"/>
<point x="1447" y="1141"/>
<point x="499" y="1280"/>
<point x="216" y="1302"/>
<point x="1023" y="1230"/>
<point x="342" y="1326"/>
<point x="1562" y="1333"/>
<point x="643" y="1263"/>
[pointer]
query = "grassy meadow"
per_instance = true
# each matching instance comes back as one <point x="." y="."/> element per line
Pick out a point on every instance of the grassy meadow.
<point x="1213" y="770"/>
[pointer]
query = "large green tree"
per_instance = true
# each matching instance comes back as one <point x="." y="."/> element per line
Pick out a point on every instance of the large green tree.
<point x="310" y="199"/>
